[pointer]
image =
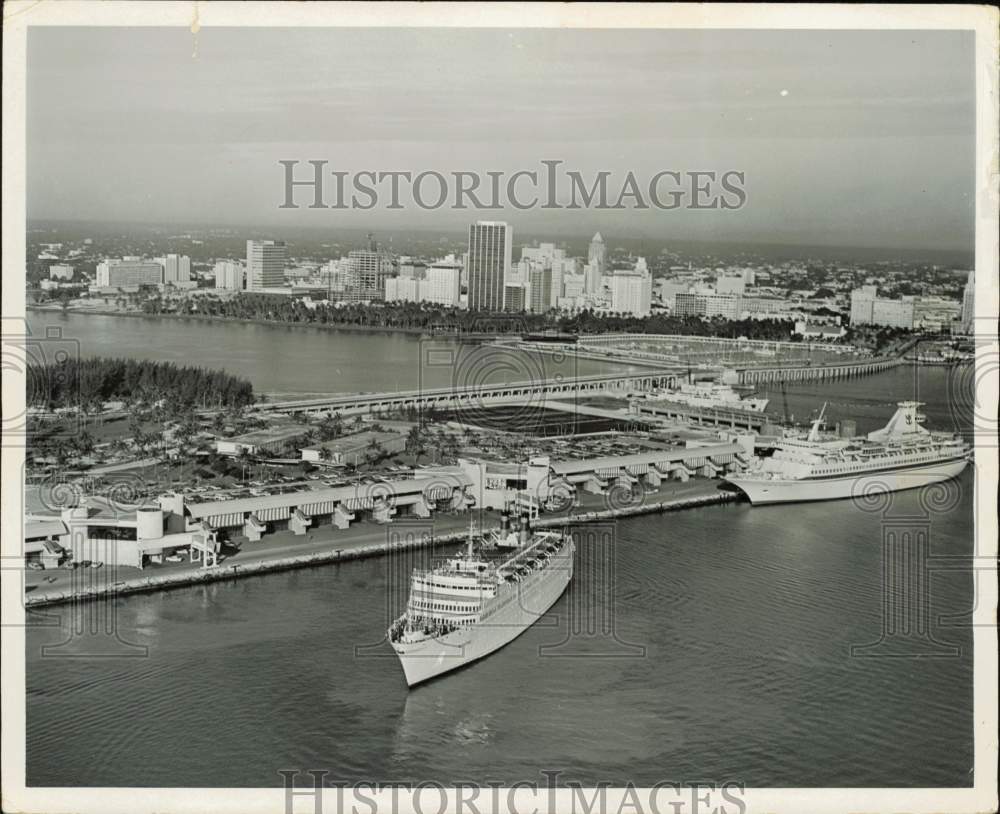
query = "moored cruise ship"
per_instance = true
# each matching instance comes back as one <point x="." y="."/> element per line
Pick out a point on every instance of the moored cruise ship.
<point x="710" y="395"/>
<point x="479" y="601"/>
<point x="901" y="455"/>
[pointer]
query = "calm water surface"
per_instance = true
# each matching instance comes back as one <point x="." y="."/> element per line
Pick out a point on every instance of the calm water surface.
<point x="732" y="655"/>
<point x="746" y="618"/>
<point x="286" y="359"/>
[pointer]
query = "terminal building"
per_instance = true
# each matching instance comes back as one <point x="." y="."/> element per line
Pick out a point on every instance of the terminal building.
<point x="99" y="531"/>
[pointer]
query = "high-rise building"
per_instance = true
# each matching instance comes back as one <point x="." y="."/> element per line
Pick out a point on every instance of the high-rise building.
<point x="969" y="305"/>
<point x="597" y="264"/>
<point x="540" y="297"/>
<point x="867" y="308"/>
<point x="265" y="264"/>
<point x="443" y="283"/>
<point x="862" y="304"/>
<point x="176" y="268"/>
<point x="488" y="264"/>
<point x="367" y="269"/>
<point x="631" y="293"/>
<point x="229" y="275"/>
<point x="893" y="313"/>
<point x="516" y="297"/>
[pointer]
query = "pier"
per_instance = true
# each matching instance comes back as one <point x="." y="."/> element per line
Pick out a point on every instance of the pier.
<point x="85" y="587"/>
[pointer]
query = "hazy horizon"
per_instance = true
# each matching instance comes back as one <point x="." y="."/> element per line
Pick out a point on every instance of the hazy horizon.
<point x="848" y="138"/>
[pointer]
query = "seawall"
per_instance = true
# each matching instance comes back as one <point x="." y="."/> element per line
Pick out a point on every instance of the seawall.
<point x="252" y="568"/>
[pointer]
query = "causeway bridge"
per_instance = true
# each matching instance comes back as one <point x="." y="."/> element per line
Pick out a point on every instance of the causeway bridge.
<point x="797" y="373"/>
<point x="479" y="396"/>
<point x="475" y="397"/>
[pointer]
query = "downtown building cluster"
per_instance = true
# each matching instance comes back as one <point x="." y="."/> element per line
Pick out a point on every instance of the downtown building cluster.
<point x="486" y="277"/>
<point x="493" y="274"/>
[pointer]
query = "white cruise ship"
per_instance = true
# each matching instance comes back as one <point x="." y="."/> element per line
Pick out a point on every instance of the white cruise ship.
<point x="902" y="455"/>
<point x="479" y="601"/>
<point x="712" y="396"/>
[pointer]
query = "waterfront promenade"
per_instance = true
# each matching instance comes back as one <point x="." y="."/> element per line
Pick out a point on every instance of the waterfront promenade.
<point x="285" y="550"/>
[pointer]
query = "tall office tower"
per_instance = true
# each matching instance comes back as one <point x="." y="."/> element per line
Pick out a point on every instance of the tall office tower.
<point x="265" y="264"/>
<point x="489" y="264"/>
<point x="597" y="261"/>
<point x="541" y="290"/>
<point x="969" y="305"/>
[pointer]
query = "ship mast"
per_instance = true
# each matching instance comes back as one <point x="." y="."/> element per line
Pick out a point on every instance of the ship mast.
<point x="814" y="432"/>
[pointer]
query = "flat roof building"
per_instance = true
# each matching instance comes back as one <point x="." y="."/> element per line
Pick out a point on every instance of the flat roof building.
<point x="488" y="264"/>
<point x="265" y="264"/>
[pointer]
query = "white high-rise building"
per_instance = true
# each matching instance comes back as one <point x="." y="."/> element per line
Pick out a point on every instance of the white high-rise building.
<point x="862" y="304"/>
<point x="176" y="268"/>
<point x="631" y="293"/>
<point x="969" y="305"/>
<point x="488" y="264"/>
<point x="867" y="308"/>
<point x="265" y="264"/>
<point x="229" y="275"/>
<point x="443" y="284"/>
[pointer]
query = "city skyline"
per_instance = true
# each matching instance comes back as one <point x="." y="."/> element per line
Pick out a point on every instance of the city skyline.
<point x="873" y="147"/>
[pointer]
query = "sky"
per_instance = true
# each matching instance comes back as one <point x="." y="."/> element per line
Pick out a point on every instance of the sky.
<point x="846" y="138"/>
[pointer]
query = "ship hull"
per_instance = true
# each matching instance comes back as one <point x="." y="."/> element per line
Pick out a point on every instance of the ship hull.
<point x="523" y="605"/>
<point x="762" y="492"/>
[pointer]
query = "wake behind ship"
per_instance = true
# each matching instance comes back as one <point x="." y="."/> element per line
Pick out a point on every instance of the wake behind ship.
<point x="477" y="602"/>
<point x="901" y="455"/>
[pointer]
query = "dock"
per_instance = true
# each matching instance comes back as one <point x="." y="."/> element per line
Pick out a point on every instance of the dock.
<point x="181" y="578"/>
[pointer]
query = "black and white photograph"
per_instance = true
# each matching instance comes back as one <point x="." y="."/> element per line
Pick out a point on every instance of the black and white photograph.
<point x="499" y="408"/>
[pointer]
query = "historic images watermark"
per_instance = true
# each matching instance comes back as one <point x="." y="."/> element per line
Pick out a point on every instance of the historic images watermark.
<point x="91" y="511"/>
<point x="312" y="184"/>
<point x="311" y="791"/>
<point x="910" y="628"/>
<point x="39" y="359"/>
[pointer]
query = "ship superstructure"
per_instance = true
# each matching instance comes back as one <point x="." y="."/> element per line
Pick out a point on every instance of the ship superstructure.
<point x="710" y="395"/>
<point x="480" y="599"/>
<point x="901" y="455"/>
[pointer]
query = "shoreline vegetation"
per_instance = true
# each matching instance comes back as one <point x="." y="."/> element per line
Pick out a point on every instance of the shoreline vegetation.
<point x="418" y="319"/>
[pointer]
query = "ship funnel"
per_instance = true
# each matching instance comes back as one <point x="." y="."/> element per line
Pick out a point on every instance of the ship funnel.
<point x="504" y="520"/>
<point x="525" y="531"/>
